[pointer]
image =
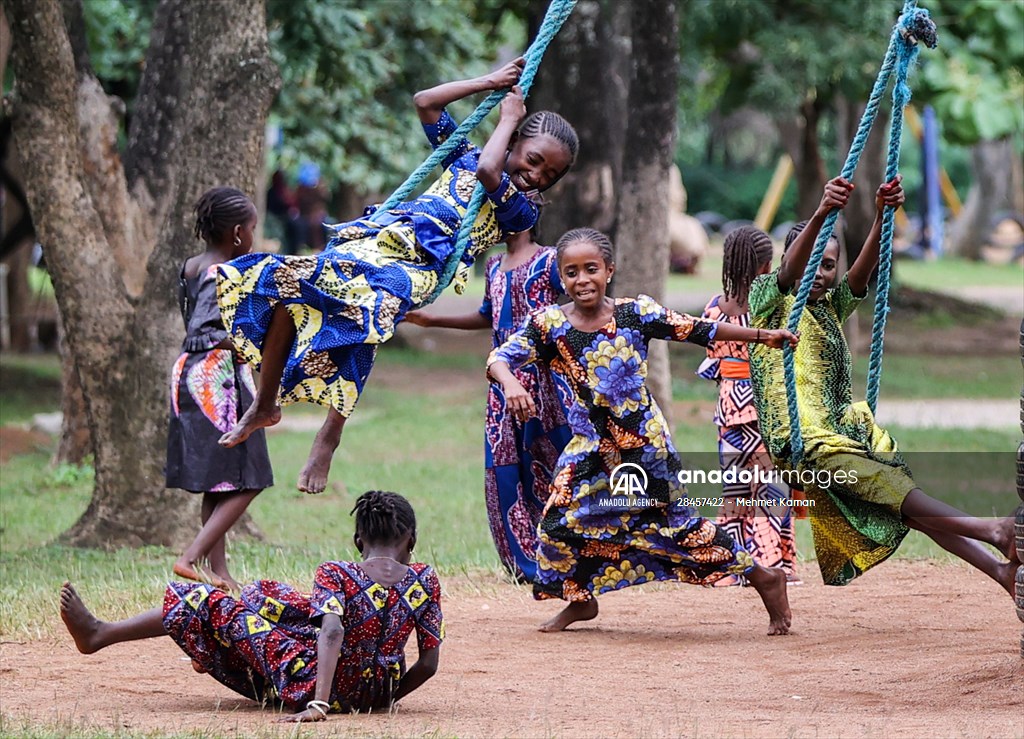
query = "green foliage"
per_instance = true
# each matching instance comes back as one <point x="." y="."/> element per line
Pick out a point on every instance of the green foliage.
<point x="349" y="71"/>
<point x="975" y="79"/>
<point x="712" y="186"/>
<point x="776" y="54"/>
<point x="117" y="32"/>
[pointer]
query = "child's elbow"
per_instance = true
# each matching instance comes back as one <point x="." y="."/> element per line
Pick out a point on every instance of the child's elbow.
<point x="421" y="101"/>
<point x="489" y="176"/>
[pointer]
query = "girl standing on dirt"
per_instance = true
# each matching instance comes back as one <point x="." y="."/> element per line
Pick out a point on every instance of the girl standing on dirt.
<point x="764" y="531"/>
<point x="340" y="649"/>
<point x="860" y="518"/>
<point x="518" y="457"/>
<point x="593" y="539"/>
<point x="210" y="390"/>
<point x="313" y="324"/>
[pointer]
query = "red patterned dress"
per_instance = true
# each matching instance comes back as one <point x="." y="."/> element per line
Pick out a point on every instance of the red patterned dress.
<point x="263" y="645"/>
<point x="766" y="532"/>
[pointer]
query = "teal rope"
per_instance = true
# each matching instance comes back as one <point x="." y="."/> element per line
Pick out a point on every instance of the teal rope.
<point x="913" y="24"/>
<point x="558" y="12"/>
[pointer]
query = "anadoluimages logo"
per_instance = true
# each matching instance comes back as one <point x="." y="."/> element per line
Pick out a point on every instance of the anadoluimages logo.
<point x="628" y="479"/>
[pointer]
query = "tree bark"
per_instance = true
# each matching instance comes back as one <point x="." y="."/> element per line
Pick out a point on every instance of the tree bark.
<point x="859" y="213"/>
<point x="585" y="77"/>
<point x="800" y="137"/>
<point x="992" y="166"/>
<point x="114" y="252"/>
<point x="642" y="242"/>
<point x="75" y="439"/>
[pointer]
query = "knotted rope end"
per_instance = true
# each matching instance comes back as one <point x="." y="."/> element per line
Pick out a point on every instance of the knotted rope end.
<point x="917" y="25"/>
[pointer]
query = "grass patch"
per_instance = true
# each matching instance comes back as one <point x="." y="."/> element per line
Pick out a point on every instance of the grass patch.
<point x="943" y="274"/>
<point x="912" y="377"/>
<point x="426" y="443"/>
<point x="30" y="383"/>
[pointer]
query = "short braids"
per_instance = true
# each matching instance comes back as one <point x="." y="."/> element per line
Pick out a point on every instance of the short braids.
<point x="383" y="517"/>
<point x="219" y="210"/>
<point x="589" y="235"/>
<point x="544" y="122"/>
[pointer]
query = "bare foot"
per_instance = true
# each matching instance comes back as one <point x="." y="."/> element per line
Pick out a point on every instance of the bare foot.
<point x="313" y="478"/>
<point x="198" y="667"/>
<point x="576" y="611"/>
<point x="1006" y="539"/>
<point x="82" y="625"/>
<point x="770" y="584"/>
<point x="252" y="420"/>
<point x="1006" y="575"/>
<point x="192" y="571"/>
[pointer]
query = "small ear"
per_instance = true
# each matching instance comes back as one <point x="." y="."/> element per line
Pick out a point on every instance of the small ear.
<point x="358" y="542"/>
<point x="513" y="140"/>
<point x="412" y="543"/>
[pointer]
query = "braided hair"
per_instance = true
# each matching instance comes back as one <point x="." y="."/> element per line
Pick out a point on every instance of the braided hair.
<point x="590" y="236"/>
<point x="383" y="517"/>
<point x="746" y="250"/>
<point x="219" y="210"/>
<point x="798" y="229"/>
<point x="544" y="122"/>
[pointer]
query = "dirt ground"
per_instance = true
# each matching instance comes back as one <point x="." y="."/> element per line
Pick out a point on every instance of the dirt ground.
<point x="913" y="649"/>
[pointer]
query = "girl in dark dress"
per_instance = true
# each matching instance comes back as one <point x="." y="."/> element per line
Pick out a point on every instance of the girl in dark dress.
<point x="210" y="390"/>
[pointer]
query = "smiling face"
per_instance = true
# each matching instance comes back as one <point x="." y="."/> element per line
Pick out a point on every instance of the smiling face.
<point x="825" y="277"/>
<point x="585" y="273"/>
<point x="536" y="162"/>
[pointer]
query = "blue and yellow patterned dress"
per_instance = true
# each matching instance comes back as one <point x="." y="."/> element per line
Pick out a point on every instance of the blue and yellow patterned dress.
<point x="592" y="539"/>
<point x="856" y="519"/>
<point x="348" y="299"/>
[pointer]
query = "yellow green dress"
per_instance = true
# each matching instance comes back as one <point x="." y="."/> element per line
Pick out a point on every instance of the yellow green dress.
<point x="851" y="468"/>
<point x="348" y="299"/>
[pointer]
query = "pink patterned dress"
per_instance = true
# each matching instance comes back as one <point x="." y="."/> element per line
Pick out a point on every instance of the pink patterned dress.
<point x="766" y="532"/>
<point x="209" y="391"/>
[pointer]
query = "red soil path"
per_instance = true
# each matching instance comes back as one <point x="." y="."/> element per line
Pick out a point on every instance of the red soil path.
<point x="913" y="649"/>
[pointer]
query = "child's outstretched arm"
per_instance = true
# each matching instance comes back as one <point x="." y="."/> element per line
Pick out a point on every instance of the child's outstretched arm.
<point x="419" y="673"/>
<point x="467" y="322"/>
<point x="328" y="651"/>
<point x="492" y="158"/>
<point x="776" y="338"/>
<point x="430" y="103"/>
<point x="859" y="275"/>
<point x="794" y="262"/>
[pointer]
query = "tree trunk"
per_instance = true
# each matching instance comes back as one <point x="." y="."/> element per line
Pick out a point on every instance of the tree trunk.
<point x="642" y="255"/>
<point x="859" y="213"/>
<point x="114" y="243"/>
<point x="585" y="77"/>
<point x="992" y="166"/>
<point x="75" y="439"/>
<point x="800" y="137"/>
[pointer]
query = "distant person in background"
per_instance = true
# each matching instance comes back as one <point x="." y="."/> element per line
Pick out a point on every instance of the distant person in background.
<point x="311" y="198"/>
<point x="282" y="205"/>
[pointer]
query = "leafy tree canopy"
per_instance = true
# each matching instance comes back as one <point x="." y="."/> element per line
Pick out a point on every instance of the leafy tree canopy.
<point x="348" y="67"/>
<point x="975" y="81"/>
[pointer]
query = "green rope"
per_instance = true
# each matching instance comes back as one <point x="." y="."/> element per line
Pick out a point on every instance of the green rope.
<point x="913" y="24"/>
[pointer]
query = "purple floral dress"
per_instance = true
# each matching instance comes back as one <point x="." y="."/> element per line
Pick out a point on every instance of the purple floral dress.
<point x="520" y="457"/>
